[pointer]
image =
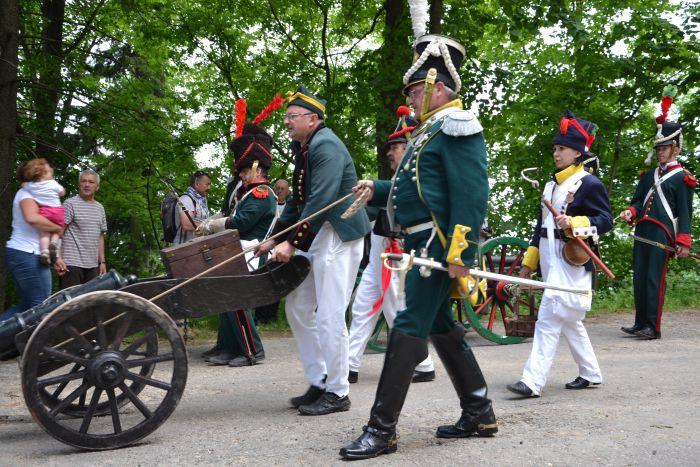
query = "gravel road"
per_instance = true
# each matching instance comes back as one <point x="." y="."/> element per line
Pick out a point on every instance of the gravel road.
<point x="646" y="413"/>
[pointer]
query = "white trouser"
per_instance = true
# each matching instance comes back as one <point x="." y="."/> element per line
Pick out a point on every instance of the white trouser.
<point x="316" y="309"/>
<point x="555" y="317"/>
<point x="366" y="295"/>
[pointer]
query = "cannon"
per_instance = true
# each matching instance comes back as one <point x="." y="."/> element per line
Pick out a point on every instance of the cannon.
<point x="104" y="365"/>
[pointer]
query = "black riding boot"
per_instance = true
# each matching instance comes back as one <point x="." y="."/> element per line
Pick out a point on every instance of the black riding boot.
<point x="403" y="353"/>
<point x="477" y="417"/>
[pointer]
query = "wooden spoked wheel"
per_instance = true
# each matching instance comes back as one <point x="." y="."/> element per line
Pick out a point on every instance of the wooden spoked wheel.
<point x="502" y="255"/>
<point x="94" y="375"/>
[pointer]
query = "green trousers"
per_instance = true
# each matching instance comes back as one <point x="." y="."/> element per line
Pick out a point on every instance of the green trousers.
<point x="233" y="327"/>
<point x="428" y="309"/>
<point x="650" y="264"/>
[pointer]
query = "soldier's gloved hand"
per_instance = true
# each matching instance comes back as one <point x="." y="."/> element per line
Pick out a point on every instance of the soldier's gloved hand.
<point x="210" y="226"/>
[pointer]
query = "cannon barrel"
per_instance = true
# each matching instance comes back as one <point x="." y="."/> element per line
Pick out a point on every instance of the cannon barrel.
<point x="22" y="321"/>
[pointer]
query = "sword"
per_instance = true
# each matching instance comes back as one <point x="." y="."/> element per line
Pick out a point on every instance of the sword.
<point x="407" y="261"/>
<point x="663" y="246"/>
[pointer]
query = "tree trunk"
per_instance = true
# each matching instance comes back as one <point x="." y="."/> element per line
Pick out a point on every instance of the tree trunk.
<point x="9" y="39"/>
<point x="47" y="94"/>
<point x="395" y="60"/>
<point x="435" y="26"/>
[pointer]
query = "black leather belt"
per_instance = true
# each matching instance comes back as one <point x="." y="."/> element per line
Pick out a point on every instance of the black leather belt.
<point x="558" y="234"/>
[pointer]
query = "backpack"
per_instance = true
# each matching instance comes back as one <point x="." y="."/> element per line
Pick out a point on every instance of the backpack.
<point x="169" y="208"/>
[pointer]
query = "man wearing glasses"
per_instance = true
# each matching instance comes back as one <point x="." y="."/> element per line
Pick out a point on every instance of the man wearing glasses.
<point x="437" y="200"/>
<point x="323" y="173"/>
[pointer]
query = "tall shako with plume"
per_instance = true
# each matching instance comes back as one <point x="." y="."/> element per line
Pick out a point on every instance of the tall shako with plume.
<point x="667" y="132"/>
<point x="436" y="57"/>
<point x="253" y="145"/>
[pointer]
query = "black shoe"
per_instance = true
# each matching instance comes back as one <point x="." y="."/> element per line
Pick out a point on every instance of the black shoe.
<point x="579" y="383"/>
<point x="521" y="389"/>
<point x="648" y="333"/>
<point x="353" y="376"/>
<point x="222" y="358"/>
<point x="371" y="443"/>
<point x="244" y="360"/>
<point x="328" y="403"/>
<point x="470" y="425"/>
<point x="423" y="376"/>
<point x="211" y="352"/>
<point x="309" y="397"/>
<point x="632" y="329"/>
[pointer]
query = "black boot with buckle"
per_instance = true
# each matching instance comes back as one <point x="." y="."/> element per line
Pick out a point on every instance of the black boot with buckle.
<point x="403" y="353"/>
<point x="477" y="417"/>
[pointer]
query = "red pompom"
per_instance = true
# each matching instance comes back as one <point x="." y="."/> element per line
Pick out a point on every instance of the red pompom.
<point x="241" y="106"/>
<point x="403" y="111"/>
<point x="269" y="108"/>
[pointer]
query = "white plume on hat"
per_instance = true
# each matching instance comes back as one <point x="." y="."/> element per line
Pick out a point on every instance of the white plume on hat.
<point x="419" y="16"/>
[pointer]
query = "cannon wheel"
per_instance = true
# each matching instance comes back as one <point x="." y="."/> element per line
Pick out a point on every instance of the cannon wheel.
<point x="502" y="255"/>
<point x="98" y="348"/>
<point x="78" y="407"/>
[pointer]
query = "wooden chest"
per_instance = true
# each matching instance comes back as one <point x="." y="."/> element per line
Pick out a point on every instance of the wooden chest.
<point x="191" y="258"/>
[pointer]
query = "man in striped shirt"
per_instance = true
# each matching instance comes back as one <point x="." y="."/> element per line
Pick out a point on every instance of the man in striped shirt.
<point x="81" y="256"/>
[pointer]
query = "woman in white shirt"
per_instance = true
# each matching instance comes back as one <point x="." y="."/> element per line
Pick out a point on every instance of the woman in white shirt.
<point x="32" y="278"/>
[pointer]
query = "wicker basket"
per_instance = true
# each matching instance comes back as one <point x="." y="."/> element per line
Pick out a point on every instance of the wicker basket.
<point x="521" y="326"/>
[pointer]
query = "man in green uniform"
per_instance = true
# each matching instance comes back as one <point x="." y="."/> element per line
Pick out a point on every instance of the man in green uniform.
<point x="323" y="173"/>
<point x="661" y="208"/>
<point x="437" y="200"/>
<point x="250" y="209"/>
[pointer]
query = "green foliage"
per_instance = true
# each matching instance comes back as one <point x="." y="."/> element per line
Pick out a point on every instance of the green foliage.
<point x="140" y="90"/>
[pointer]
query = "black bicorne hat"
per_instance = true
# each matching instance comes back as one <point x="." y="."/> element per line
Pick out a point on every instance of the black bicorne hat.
<point x="255" y="144"/>
<point x="575" y="133"/>
<point x="442" y="53"/>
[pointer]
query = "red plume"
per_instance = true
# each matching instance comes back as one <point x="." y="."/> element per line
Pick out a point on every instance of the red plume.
<point x="403" y="111"/>
<point x="669" y="93"/>
<point x="269" y="108"/>
<point x="240" y="116"/>
<point x="666" y="102"/>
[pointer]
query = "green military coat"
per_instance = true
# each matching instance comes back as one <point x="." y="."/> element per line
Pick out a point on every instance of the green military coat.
<point x="323" y="173"/>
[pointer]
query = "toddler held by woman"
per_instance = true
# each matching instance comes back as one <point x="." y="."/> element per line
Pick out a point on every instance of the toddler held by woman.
<point x="46" y="192"/>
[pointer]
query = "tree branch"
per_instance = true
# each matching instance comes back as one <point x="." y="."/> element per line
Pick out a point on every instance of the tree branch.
<point x="296" y="46"/>
<point x="88" y="27"/>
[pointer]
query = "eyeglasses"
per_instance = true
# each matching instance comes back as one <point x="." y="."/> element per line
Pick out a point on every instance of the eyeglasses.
<point x="292" y="116"/>
<point x="413" y="93"/>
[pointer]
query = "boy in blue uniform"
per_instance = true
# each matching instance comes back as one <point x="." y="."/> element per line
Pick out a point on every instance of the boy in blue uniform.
<point x="582" y="202"/>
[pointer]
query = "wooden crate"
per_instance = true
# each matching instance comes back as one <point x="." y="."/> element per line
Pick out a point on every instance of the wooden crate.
<point x="191" y="258"/>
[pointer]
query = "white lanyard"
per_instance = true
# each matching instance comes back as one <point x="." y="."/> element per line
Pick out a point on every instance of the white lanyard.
<point x="664" y="202"/>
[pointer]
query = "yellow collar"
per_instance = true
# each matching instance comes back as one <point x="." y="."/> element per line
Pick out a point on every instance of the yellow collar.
<point x="562" y="175"/>
<point x="455" y="103"/>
